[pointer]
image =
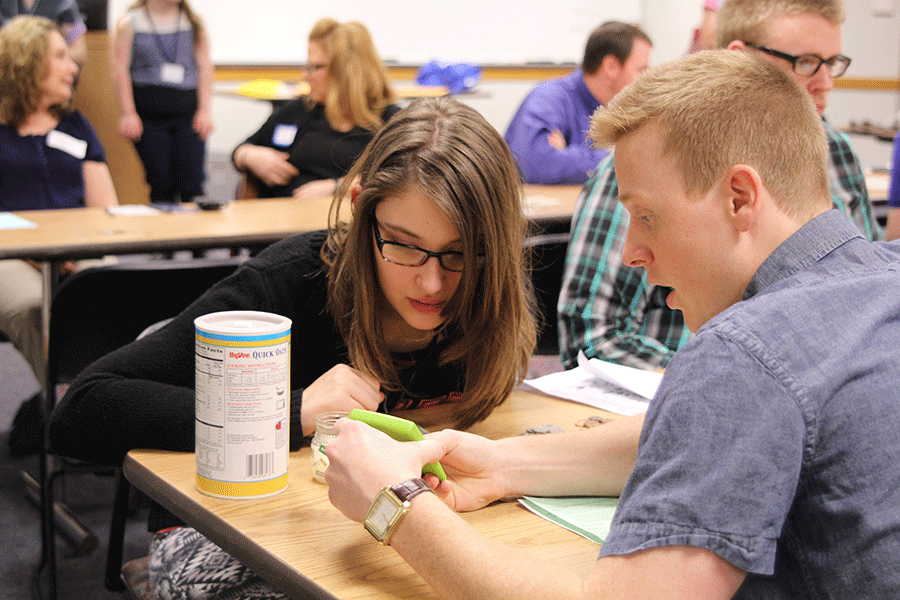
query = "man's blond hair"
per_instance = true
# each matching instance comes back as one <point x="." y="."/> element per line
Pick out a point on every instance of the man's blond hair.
<point x="721" y="108"/>
<point x="748" y="20"/>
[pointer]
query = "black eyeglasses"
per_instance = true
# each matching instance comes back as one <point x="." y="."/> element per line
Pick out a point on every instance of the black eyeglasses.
<point x="807" y="65"/>
<point x="408" y="255"/>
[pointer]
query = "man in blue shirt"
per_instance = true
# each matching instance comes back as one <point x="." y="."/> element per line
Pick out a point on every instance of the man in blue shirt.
<point x="548" y="134"/>
<point x="766" y="465"/>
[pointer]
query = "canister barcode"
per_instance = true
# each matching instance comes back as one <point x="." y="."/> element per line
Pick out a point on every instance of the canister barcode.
<point x="260" y="464"/>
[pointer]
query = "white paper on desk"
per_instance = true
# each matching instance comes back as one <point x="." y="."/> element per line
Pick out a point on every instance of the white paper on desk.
<point x="11" y="221"/>
<point x="589" y="517"/>
<point x="132" y="210"/>
<point x="643" y="383"/>
<point x="581" y="385"/>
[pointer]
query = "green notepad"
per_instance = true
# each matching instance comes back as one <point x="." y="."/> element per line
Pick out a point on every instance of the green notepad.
<point x="589" y="517"/>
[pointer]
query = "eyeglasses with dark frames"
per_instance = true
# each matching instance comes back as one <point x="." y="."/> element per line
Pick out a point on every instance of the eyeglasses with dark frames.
<point x="408" y="255"/>
<point x="807" y="65"/>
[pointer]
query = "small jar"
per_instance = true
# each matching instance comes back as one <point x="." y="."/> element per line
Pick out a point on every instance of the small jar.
<point x="324" y="434"/>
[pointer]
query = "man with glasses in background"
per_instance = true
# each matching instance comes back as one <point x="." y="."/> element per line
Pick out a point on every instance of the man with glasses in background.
<point x="803" y="37"/>
<point x="607" y="308"/>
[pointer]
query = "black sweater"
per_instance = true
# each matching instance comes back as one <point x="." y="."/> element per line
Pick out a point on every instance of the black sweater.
<point x="142" y="395"/>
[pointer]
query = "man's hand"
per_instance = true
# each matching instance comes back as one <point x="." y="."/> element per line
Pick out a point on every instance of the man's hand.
<point x="556" y="139"/>
<point x="362" y="460"/>
<point x="473" y="477"/>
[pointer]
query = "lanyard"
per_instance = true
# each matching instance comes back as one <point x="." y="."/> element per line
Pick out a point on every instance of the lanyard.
<point x="158" y="37"/>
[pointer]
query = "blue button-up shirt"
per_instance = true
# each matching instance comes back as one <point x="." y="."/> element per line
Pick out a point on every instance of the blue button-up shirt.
<point x="774" y="437"/>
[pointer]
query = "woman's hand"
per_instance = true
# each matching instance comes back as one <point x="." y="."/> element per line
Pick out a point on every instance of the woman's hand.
<point x="316" y="189"/>
<point x="340" y="388"/>
<point x="202" y="124"/>
<point x="130" y="126"/>
<point x="270" y="165"/>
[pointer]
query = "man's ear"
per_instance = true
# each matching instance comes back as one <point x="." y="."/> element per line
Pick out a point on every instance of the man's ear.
<point x="743" y="187"/>
<point x="736" y="45"/>
<point x="610" y="66"/>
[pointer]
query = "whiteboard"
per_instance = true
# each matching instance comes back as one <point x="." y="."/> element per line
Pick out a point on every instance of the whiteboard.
<point x="408" y="32"/>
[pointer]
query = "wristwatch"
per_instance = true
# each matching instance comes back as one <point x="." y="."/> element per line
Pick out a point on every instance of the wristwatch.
<point x="389" y="506"/>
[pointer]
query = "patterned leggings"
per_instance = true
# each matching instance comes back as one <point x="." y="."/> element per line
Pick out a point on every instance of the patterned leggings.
<point x="185" y="565"/>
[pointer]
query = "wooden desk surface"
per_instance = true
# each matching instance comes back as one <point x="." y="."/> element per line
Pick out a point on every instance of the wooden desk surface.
<point x="88" y="232"/>
<point x="877" y="184"/>
<point x="299" y="542"/>
<point x="85" y="232"/>
<point x="550" y="202"/>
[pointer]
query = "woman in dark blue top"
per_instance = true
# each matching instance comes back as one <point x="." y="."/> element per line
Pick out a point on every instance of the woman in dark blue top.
<point x="50" y="157"/>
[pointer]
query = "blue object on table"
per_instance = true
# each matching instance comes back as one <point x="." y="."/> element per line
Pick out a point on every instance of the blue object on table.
<point x="457" y="77"/>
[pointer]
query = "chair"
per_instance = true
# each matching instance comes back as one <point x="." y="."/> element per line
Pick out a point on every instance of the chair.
<point x="548" y="260"/>
<point x="94" y="312"/>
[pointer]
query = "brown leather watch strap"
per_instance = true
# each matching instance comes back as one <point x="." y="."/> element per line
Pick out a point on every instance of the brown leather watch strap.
<point x="410" y="488"/>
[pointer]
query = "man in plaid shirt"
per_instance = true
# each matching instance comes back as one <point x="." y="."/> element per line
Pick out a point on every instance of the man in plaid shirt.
<point x="606" y="307"/>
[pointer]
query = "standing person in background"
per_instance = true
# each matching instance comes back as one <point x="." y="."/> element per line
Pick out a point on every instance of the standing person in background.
<point x="548" y="134"/>
<point x="163" y="76"/>
<point x="893" y="219"/>
<point x="50" y="157"/>
<point x="306" y="146"/>
<point x="64" y="13"/>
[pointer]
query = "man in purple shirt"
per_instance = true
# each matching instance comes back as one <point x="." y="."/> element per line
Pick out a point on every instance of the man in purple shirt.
<point x="548" y="134"/>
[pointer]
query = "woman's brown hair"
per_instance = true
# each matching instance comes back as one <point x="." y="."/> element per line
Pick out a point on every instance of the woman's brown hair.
<point x="453" y="156"/>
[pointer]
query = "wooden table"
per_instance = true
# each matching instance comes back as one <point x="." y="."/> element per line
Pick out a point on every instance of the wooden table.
<point x="85" y="232"/>
<point x="549" y="204"/>
<point x="299" y="542"/>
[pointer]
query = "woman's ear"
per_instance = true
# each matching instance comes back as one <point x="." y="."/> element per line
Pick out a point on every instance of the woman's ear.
<point x="355" y="189"/>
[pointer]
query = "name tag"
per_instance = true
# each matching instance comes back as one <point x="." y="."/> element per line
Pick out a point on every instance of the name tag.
<point x="284" y="135"/>
<point x="68" y="144"/>
<point x="171" y="73"/>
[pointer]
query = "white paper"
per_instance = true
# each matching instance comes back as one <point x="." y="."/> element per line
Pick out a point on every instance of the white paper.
<point x="11" y="221"/>
<point x="581" y="385"/>
<point x="643" y="383"/>
<point x="132" y="210"/>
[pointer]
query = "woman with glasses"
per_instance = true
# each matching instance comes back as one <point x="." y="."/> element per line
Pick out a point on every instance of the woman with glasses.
<point x="417" y="305"/>
<point x="309" y="144"/>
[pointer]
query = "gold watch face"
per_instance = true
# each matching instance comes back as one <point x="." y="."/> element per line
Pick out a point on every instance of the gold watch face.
<point x="386" y="509"/>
